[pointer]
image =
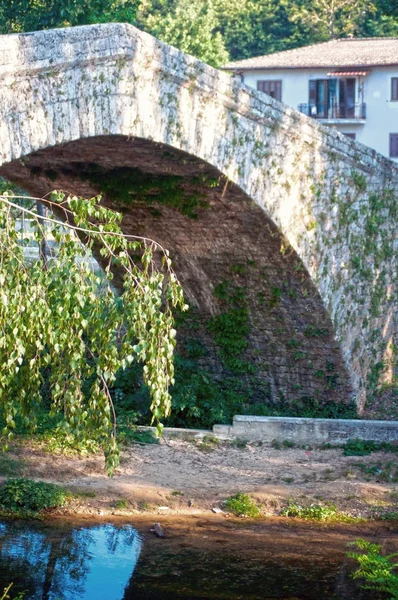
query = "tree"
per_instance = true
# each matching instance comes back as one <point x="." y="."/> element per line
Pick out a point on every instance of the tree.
<point x="332" y="18"/>
<point x="32" y="15"/>
<point x="61" y="317"/>
<point x="190" y="25"/>
<point x="383" y="21"/>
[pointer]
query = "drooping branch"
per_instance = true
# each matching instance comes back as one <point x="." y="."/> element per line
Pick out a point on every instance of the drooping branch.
<point x="68" y="320"/>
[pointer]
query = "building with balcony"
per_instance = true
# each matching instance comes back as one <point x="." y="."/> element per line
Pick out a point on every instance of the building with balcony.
<point x="350" y="84"/>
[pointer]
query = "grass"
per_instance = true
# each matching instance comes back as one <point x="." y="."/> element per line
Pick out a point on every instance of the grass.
<point x="25" y="497"/>
<point x="238" y="443"/>
<point x="209" y="443"/>
<point x="280" y="445"/>
<point x="57" y="441"/>
<point x="317" y="512"/>
<point x="242" y="505"/>
<point x="84" y="494"/>
<point x="9" y="466"/>
<point x="122" y="504"/>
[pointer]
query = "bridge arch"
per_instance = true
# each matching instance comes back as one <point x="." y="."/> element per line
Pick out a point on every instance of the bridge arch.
<point x="87" y="107"/>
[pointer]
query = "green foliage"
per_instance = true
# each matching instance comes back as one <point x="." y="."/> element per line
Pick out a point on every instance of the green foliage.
<point x="60" y="317"/>
<point x="339" y="18"/>
<point x="231" y="327"/>
<point x="242" y="505"/>
<point x="191" y="25"/>
<point x="389" y="516"/>
<point x="379" y="572"/>
<point x="122" y="504"/>
<point x="24" y="496"/>
<point x="127" y="185"/>
<point x="6" y="596"/>
<point x="358" y="447"/>
<point x="32" y="15"/>
<point x="381" y="471"/>
<point x="214" y="30"/>
<point x="316" y="512"/>
<point x="209" y="443"/>
<point x="200" y="399"/>
<point x="253" y="27"/>
<point x="247" y="28"/>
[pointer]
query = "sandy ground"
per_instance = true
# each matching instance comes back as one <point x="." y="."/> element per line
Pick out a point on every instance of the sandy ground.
<point x="178" y="477"/>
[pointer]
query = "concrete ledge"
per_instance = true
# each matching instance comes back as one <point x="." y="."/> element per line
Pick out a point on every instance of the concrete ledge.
<point x="180" y="433"/>
<point x="308" y="431"/>
<point x="294" y="429"/>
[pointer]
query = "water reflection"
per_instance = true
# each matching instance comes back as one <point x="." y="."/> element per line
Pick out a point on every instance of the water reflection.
<point x="198" y="560"/>
<point x="61" y="563"/>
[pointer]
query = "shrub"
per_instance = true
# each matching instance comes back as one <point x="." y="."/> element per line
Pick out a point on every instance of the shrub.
<point x="379" y="572"/>
<point x="358" y="447"/>
<point x="242" y="505"/>
<point x="318" y="512"/>
<point x="27" y="496"/>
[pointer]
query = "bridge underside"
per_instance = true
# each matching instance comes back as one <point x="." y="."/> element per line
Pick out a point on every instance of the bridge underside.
<point x="257" y="319"/>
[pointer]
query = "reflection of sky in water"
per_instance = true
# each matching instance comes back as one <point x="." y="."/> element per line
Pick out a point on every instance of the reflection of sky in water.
<point x="87" y="563"/>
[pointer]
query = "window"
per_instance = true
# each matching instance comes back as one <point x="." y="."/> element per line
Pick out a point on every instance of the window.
<point x="334" y="99"/>
<point x="322" y="98"/>
<point x="272" y="88"/>
<point x="394" y="145"/>
<point x="350" y="135"/>
<point x="394" y="89"/>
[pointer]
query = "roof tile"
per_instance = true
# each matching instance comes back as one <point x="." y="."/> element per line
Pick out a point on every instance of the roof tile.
<point x="348" y="52"/>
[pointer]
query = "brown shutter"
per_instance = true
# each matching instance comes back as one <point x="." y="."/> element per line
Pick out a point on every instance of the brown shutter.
<point x="394" y="145"/>
<point x="262" y="86"/>
<point x="271" y="87"/>
<point x="394" y="88"/>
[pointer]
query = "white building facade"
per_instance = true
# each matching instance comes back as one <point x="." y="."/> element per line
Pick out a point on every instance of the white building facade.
<point x="351" y="85"/>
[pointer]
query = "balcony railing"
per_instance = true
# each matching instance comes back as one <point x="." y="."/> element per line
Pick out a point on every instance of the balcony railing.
<point x="336" y="111"/>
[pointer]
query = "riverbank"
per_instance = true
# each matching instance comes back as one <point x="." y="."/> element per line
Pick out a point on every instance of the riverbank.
<point x="194" y="478"/>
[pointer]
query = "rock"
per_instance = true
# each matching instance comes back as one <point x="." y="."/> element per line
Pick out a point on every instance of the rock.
<point x="157" y="529"/>
<point x="217" y="510"/>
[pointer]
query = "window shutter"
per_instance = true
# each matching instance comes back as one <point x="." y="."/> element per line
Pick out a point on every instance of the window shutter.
<point x="394" y="145"/>
<point x="271" y="87"/>
<point x="394" y="89"/>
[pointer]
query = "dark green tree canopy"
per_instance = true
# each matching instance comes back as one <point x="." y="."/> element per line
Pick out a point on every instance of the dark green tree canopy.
<point x="215" y="30"/>
<point x="32" y="15"/>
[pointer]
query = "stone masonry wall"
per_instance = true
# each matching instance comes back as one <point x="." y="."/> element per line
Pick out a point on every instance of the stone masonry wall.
<point x="331" y="201"/>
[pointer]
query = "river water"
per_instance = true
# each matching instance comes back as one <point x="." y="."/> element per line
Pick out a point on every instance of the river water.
<point x="198" y="559"/>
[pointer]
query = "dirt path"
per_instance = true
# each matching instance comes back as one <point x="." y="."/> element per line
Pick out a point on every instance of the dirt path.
<point x="189" y="478"/>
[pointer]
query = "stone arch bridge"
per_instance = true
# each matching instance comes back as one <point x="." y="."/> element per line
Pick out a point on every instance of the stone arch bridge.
<point x="283" y="232"/>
